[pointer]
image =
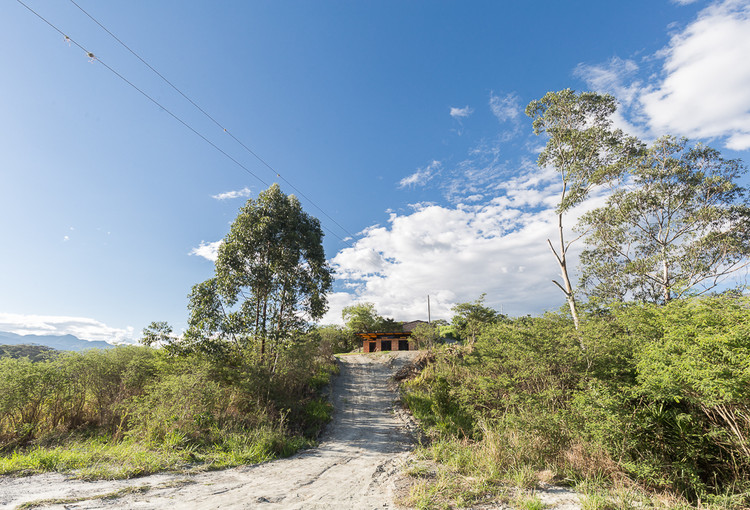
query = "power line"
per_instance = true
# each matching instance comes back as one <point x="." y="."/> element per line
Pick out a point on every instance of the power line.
<point x="218" y="124"/>
<point x="93" y="58"/>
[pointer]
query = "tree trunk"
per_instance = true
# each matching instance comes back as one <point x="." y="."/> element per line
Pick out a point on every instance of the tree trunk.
<point x="263" y="330"/>
<point x="562" y="261"/>
<point x="665" y="270"/>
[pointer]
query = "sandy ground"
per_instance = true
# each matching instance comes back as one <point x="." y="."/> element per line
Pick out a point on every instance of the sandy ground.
<point x="357" y="465"/>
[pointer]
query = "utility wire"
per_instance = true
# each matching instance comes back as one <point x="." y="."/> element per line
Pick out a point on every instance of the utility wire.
<point x="218" y="124"/>
<point x="93" y="58"/>
<point x="178" y="119"/>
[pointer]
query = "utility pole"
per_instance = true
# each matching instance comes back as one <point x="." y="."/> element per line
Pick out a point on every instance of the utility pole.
<point x="429" y="317"/>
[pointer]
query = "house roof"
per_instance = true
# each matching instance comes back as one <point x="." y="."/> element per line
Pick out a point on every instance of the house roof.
<point x="374" y="336"/>
<point x="409" y="326"/>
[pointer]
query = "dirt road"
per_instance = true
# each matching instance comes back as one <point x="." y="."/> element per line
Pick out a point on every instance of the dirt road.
<point x="355" y="466"/>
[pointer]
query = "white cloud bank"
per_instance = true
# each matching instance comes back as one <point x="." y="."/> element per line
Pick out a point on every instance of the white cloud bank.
<point x="81" y="327"/>
<point x="702" y="90"/>
<point x="454" y="254"/>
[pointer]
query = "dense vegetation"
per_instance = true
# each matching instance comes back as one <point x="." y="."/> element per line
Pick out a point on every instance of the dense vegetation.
<point x="657" y="399"/>
<point x="239" y="386"/>
<point x="33" y="352"/>
<point x="133" y="410"/>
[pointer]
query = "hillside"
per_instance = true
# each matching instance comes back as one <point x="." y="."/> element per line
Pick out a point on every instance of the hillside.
<point x="59" y="342"/>
<point x="33" y="352"/>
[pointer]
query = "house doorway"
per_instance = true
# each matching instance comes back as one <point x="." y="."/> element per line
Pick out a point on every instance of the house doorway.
<point x="385" y="345"/>
<point x="372" y="347"/>
<point x="403" y="345"/>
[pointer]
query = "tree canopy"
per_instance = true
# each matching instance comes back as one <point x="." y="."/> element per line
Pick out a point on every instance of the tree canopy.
<point x="584" y="149"/>
<point x="363" y="317"/>
<point x="471" y="317"/>
<point x="679" y="224"/>
<point x="271" y="278"/>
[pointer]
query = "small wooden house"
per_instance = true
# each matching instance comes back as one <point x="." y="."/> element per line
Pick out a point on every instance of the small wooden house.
<point x="390" y="341"/>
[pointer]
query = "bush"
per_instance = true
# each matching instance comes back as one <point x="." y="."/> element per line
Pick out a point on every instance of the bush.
<point x="178" y="408"/>
<point x="657" y="394"/>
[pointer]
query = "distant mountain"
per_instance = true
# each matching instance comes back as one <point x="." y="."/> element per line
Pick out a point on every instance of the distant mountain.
<point x="61" y="343"/>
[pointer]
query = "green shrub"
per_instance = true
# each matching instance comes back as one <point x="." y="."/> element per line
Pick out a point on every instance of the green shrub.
<point x="660" y="395"/>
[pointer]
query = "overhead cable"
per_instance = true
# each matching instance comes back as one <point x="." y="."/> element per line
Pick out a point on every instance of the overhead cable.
<point x="218" y="124"/>
<point x="94" y="58"/>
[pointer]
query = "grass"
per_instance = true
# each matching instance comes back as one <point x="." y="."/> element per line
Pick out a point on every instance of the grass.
<point x="529" y="502"/>
<point x="102" y="458"/>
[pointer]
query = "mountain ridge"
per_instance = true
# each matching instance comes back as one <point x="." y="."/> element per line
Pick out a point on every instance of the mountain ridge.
<point x="59" y="342"/>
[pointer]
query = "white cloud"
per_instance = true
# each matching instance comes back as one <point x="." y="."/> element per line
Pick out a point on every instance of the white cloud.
<point x="505" y="108"/>
<point x="481" y="174"/>
<point x="705" y="92"/>
<point x="421" y="176"/>
<point x="209" y="251"/>
<point x="454" y="254"/>
<point x="702" y="88"/>
<point x="81" y="327"/>
<point x="227" y="195"/>
<point x="459" y="113"/>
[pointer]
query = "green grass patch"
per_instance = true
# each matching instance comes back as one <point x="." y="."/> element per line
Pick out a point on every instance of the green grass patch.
<point x="103" y="458"/>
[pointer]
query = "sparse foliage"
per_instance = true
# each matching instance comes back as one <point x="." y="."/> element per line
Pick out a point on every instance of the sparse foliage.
<point x="680" y="224"/>
<point x="585" y="150"/>
<point x="471" y="317"/>
<point x="426" y="335"/>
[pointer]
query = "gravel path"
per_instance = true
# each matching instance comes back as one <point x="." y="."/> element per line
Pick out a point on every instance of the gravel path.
<point x="355" y="466"/>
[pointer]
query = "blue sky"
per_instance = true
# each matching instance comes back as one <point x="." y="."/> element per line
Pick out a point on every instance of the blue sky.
<point x="403" y="121"/>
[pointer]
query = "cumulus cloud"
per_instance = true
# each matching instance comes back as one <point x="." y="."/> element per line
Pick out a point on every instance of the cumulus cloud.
<point x="701" y="89"/>
<point x="81" y="327"/>
<point x="456" y="253"/>
<point x="505" y="108"/>
<point x="421" y="177"/>
<point x="704" y="92"/>
<point x="227" y="195"/>
<point x="209" y="251"/>
<point x="460" y="113"/>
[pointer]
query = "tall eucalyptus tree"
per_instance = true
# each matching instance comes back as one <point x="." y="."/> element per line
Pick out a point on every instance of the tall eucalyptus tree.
<point x="585" y="150"/>
<point x="271" y="279"/>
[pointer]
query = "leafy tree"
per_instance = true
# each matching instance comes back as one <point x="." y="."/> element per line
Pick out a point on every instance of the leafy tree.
<point x="388" y="325"/>
<point x="585" y="151"/>
<point x="158" y="332"/>
<point x="470" y="318"/>
<point x="426" y="335"/>
<point x="271" y="278"/>
<point x="361" y="317"/>
<point x="337" y="338"/>
<point x="680" y="224"/>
